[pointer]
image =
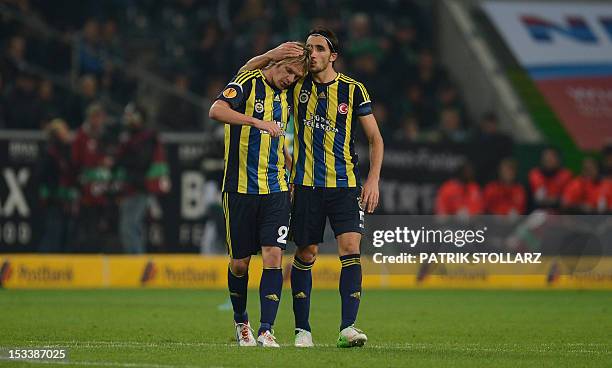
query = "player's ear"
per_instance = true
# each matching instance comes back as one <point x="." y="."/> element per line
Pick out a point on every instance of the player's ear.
<point x="333" y="57"/>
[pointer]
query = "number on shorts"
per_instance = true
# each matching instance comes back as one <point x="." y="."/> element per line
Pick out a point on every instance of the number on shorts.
<point x="282" y="234"/>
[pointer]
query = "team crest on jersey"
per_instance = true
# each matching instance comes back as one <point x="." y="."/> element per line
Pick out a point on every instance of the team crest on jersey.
<point x="259" y="107"/>
<point x="343" y="108"/>
<point x="230" y="92"/>
<point x="304" y="96"/>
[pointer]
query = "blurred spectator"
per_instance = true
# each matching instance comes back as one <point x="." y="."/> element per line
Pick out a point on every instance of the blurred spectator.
<point x="461" y="195"/>
<point x="548" y="181"/>
<point x="252" y="12"/>
<point x="496" y="144"/>
<point x="22" y="110"/>
<point x="211" y="52"/>
<point x="48" y="104"/>
<point x="294" y="24"/>
<point x="412" y="104"/>
<point x="57" y="192"/>
<point x="604" y="203"/>
<point x="360" y="41"/>
<point x="505" y="196"/>
<point x="606" y="161"/>
<point x="134" y="158"/>
<point x="448" y="97"/>
<point x="582" y="194"/>
<point x="89" y="50"/>
<point x="177" y="114"/>
<point x="451" y="128"/>
<point x="429" y="76"/>
<point x="88" y="94"/>
<point x="364" y="53"/>
<point x="405" y="47"/>
<point x="14" y="59"/>
<point x="109" y="40"/>
<point x="92" y="165"/>
<point x="408" y="131"/>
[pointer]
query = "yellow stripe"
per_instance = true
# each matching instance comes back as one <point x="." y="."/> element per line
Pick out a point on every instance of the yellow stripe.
<point x="308" y="135"/>
<point x="301" y="267"/>
<point x="244" y="143"/>
<point x="364" y="91"/>
<point x="328" y="137"/>
<point x="244" y="76"/>
<point x="296" y="126"/>
<point x="350" y="264"/>
<point x="281" y="143"/>
<point x="272" y="268"/>
<point x="264" y="145"/>
<point x="228" y="233"/>
<point x="352" y="181"/>
<point x="226" y="133"/>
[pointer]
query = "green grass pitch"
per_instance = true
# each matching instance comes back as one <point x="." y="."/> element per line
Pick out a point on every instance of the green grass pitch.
<point x="424" y="328"/>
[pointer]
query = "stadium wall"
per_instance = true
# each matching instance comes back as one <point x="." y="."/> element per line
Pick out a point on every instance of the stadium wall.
<point x="29" y="271"/>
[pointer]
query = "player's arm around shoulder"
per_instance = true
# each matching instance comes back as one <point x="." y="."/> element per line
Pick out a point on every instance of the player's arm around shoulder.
<point x="280" y="52"/>
<point x="370" y="192"/>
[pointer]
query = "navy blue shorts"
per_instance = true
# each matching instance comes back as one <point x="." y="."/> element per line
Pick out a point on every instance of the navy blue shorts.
<point x="255" y="220"/>
<point x="312" y="206"/>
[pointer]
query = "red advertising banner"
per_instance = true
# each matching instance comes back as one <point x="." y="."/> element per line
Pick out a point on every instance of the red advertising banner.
<point x="584" y="106"/>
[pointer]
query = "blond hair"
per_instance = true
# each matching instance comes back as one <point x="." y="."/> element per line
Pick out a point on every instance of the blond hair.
<point x="303" y="59"/>
<point x="55" y="126"/>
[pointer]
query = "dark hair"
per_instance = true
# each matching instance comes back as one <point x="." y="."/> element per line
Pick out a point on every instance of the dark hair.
<point x="330" y="36"/>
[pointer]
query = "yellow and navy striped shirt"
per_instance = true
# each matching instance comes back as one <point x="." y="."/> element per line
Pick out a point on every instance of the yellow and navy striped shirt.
<point x="324" y="149"/>
<point x="254" y="161"/>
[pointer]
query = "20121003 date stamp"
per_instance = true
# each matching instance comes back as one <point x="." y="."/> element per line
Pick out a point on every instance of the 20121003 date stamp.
<point x="53" y="354"/>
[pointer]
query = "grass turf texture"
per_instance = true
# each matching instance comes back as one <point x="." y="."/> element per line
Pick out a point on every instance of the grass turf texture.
<point x="426" y="328"/>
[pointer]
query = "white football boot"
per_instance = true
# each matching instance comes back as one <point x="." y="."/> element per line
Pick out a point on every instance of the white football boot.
<point x="267" y="340"/>
<point x="244" y="335"/>
<point x="350" y="337"/>
<point x="303" y="339"/>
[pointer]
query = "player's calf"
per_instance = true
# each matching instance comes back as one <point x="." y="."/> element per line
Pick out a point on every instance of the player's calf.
<point x="270" y="287"/>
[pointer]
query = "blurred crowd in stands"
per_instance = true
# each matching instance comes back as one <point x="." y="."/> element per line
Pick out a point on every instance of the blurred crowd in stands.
<point x="95" y="186"/>
<point x="551" y="188"/>
<point x="174" y="57"/>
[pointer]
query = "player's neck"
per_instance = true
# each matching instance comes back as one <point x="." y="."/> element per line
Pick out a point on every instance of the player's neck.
<point x="325" y="76"/>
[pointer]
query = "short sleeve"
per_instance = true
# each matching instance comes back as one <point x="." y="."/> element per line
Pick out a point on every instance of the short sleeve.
<point x="362" y="103"/>
<point x="237" y="89"/>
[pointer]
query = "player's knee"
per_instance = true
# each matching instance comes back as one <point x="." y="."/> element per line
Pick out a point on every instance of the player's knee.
<point x="348" y="243"/>
<point x="239" y="267"/>
<point x="307" y="254"/>
<point x="272" y="256"/>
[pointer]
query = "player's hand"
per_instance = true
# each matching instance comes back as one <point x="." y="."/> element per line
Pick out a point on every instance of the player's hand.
<point x="285" y="50"/>
<point x="369" y="195"/>
<point x="270" y="127"/>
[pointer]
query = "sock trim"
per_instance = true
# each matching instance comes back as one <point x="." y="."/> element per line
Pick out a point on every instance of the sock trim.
<point x="301" y="265"/>
<point x="350" y="260"/>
